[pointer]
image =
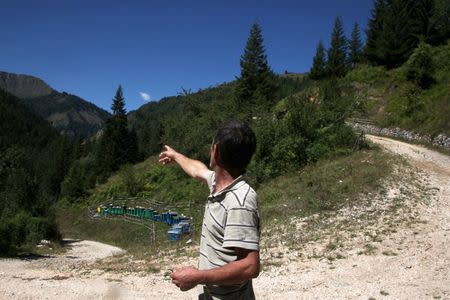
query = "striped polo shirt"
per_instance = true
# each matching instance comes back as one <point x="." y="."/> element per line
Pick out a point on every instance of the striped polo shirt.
<point x="231" y="219"/>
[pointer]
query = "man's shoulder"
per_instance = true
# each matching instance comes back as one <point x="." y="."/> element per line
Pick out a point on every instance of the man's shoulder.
<point x="242" y="197"/>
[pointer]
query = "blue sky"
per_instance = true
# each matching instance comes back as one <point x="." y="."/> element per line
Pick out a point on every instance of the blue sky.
<point x="88" y="48"/>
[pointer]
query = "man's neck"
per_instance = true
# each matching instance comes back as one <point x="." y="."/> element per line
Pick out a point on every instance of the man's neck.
<point x="223" y="178"/>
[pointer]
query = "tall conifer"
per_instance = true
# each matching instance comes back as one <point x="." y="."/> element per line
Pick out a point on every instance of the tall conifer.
<point x="440" y="23"/>
<point x="256" y="82"/>
<point x="337" y="53"/>
<point x="118" y="105"/>
<point x="118" y="145"/>
<point x="400" y="34"/>
<point x="374" y="28"/>
<point x="355" y="47"/>
<point x="319" y="63"/>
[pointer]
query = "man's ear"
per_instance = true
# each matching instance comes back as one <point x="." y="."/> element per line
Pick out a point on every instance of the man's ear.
<point x="215" y="152"/>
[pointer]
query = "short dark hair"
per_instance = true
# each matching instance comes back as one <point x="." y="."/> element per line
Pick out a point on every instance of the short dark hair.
<point x="236" y="143"/>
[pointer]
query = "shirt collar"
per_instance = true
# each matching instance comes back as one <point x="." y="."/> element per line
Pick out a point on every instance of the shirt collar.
<point x="237" y="183"/>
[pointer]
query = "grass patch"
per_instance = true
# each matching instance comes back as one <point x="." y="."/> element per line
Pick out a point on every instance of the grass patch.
<point x="325" y="186"/>
<point x="54" y="248"/>
<point x="75" y="222"/>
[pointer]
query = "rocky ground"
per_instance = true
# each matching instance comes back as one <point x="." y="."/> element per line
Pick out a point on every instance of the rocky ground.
<point x="392" y="245"/>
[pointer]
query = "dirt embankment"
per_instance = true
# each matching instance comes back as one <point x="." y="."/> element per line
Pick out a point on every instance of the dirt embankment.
<point x="396" y="248"/>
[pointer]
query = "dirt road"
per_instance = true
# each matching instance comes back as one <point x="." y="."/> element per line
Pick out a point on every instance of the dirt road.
<point x="412" y="261"/>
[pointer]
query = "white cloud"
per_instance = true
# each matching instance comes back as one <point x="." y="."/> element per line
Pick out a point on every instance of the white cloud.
<point x="145" y="96"/>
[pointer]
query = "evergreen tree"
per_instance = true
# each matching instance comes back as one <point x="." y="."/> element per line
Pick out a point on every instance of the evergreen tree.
<point x="117" y="145"/>
<point x="397" y="26"/>
<point x="337" y="53"/>
<point x="318" y="69"/>
<point x="422" y="13"/>
<point x="432" y="20"/>
<point x="118" y="105"/>
<point x="355" y="46"/>
<point x="439" y="22"/>
<point x="400" y="33"/>
<point x="374" y="28"/>
<point x="256" y="85"/>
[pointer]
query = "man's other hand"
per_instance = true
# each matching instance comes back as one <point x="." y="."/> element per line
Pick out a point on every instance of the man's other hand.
<point x="186" y="278"/>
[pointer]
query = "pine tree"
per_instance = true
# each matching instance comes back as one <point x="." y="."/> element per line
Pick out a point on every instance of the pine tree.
<point x="318" y="68"/>
<point x="422" y="13"/>
<point x="355" y="46"/>
<point x="256" y="82"/>
<point x="117" y="145"/>
<point x="397" y="26"/>
<point x="400" y="34"/>
<point x="337" y="53"/>
<point x="374" y="28"/>
<point x="438" y="21"/>
<point x="118" y="105"/>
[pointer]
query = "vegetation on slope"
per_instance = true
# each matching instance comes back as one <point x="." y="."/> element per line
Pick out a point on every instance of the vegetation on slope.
<point x="393" y="100"/>
<point x="325" y="186"/>
<point x="33" y="161"/>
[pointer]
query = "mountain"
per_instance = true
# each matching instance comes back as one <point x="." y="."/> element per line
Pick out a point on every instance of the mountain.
<point x="24" y="86"/>
<point x="69" y="114"/>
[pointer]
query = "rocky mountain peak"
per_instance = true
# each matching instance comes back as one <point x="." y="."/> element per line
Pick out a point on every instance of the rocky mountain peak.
<point x="24" y="86"/>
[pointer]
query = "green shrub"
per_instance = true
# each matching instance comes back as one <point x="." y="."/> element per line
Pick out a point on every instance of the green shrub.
<point x="129" y="181"/>
<point x="367" y="74"/>
<point x="312" y="127"/>
<point x="419" y="67"/>
<point x="23" y="231"/>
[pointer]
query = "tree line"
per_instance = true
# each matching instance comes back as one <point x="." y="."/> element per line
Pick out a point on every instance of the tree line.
<point x="395" y="29"/>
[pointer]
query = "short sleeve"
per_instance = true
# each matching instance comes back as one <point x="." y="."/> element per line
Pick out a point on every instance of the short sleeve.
<point x="242" y="229"/>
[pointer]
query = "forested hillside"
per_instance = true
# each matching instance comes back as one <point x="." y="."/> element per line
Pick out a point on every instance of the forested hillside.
<point x="33" y="161"/>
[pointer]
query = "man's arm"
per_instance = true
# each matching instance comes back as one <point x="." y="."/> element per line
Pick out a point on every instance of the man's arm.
<point x="244" y="268"/>
<point x="194" y="168"/>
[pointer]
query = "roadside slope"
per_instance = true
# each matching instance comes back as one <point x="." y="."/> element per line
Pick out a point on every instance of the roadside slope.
<point x="411" y="262"/>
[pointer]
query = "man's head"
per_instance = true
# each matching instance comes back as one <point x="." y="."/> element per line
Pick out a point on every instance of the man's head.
<point x="235" y="143"/>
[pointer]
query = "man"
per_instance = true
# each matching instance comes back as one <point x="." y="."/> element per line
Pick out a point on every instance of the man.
<point x="229" y="246"/>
